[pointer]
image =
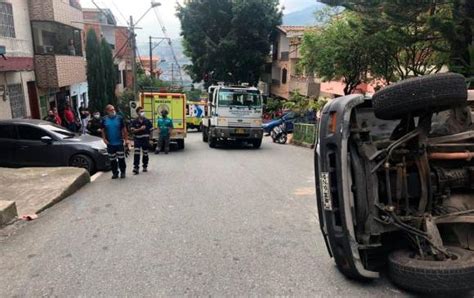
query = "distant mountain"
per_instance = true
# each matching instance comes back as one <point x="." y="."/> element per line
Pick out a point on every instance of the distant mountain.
<point x="303" y="17"/>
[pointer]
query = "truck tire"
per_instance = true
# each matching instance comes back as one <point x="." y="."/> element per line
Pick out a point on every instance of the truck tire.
<point x="205" y="135"/>
<point x="257" y="143"/>
<point x="433" y="93"/>
<point x="180" y="144"/>
<point x="433" y="276"/>
<point x="212" y="142"/>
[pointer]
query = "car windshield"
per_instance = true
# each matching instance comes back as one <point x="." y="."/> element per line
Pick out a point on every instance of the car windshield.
<point x="58" y="131"/>
<point x="239" y="98"/>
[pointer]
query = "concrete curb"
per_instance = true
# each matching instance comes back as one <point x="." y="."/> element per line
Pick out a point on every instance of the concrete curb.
<point x="8" y="212"/>
<point x="300" y="144"/>
<point x="37" y="189"/>
<point x="80" y="181"/>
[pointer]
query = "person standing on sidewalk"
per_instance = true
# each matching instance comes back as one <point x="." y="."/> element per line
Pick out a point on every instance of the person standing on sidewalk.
<point x="115" y="135"/>
<point x="85" y="115"/>
<point x="70" y="118"/>
<point x="94" y="126"/>
<point x="141" y="128"/>
<point x="165" y="127"/>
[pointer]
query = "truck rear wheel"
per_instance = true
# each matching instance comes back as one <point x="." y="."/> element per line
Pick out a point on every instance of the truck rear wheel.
<point x="450" y="276"/>
<point x="180" y="144"/>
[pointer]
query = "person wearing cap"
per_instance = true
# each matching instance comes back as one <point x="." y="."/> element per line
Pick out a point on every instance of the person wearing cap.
<point x="141" y="128"/>
<point x="165" y="128"/>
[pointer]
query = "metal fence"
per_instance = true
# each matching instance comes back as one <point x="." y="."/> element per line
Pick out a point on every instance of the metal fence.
<point x="304" y="134"/>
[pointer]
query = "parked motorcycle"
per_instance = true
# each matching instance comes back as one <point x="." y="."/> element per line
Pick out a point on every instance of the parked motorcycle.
<point x="279" y="134"/>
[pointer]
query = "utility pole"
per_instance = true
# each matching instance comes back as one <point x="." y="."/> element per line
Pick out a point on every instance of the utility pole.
<point x="151" y="58"/>
<point x="172" y="75"/>
<point x="134" y="58"/>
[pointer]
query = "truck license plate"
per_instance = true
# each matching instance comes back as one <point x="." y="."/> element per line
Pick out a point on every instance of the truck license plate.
<point x="325" y="191"/>
<point x="240" y="131"/>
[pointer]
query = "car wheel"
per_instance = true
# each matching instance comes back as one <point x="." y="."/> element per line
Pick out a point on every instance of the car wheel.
<point x="449" y="276"/>
<point x="433" y="93"/>
<point x="82" y="161"/>
<point x="283" y="139"/>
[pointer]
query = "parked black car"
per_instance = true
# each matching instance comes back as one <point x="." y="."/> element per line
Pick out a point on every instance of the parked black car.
<point x="395" y="181"/>
<point x="36" y="143"/>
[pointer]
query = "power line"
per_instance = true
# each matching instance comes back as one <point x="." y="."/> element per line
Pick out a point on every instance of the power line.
<point x="165" y="33"/>
<point x="120" y="12"/>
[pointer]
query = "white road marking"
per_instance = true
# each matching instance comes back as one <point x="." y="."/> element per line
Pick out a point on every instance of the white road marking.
<point x="96" y="176"/>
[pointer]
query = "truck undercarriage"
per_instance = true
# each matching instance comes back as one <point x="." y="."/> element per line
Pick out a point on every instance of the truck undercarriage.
<point x="395" y="184"/>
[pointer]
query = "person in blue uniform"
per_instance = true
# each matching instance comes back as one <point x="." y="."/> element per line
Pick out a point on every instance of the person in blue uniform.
<point x="141" y="128"/>
<point x="115" y="135"/>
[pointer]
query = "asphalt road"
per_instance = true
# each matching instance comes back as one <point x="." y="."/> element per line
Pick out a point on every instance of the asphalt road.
<point x="231" y="221"/>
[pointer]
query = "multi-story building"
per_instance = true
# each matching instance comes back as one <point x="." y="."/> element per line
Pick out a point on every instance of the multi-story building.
<point x="282" y="75"/>
<point x="59" y="60"/>
<point x="105" y="25"/>
<point x="145" y="62"/>
<point x="18" y="97"/>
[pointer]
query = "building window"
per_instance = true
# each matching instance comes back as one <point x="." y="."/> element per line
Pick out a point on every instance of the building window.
<point x="284" y="76"/>
<point x="17" y="101"/>
<point x="56" y="39"/>
<point x="7" y="26"/>
<point x="124" y="78"/>
<point x="118" y="74"/>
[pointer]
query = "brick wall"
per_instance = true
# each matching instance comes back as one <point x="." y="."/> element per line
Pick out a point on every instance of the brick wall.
<point x="66" y="14"/>
<point x="59" y="71"/>
<point x="46" y="74"/>
<point x="71" y="70"/>
<point x="55" y="10"/>
<point x="41" y="10"/>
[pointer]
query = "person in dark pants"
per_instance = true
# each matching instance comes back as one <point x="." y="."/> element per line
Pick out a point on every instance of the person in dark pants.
<point x="94" y="126"/>
<point x="165" y="127"/>
<point x="115" y="135"/>
<point x="141" y="128"/>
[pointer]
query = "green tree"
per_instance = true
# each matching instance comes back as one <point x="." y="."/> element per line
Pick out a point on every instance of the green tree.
<point x="442" y="30"/>
<point x="228" y="40"/>
<point x="301" y="104"/>
<point x="109" y="72"/>
<point x="337" y="51"/>
<point x="95" y="73"/>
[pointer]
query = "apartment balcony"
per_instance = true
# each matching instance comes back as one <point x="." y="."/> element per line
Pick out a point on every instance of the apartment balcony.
<point x="56" y="71"/>
<point x="306" y="86"/>
<point x="65" y="12"/>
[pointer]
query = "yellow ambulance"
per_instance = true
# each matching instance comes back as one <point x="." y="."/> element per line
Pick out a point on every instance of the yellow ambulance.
<point x="175" y="103"/>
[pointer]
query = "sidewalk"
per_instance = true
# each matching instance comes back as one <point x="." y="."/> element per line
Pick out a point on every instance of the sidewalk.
<point x="36" y="189"/>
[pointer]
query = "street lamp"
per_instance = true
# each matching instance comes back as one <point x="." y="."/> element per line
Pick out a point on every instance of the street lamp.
<point x="134" y="58"/>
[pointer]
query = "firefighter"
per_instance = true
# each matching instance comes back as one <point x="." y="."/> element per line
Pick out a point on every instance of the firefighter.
<point x="141" y="128"/>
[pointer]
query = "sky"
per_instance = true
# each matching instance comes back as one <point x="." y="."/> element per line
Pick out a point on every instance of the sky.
<point x="122" y="9"/>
